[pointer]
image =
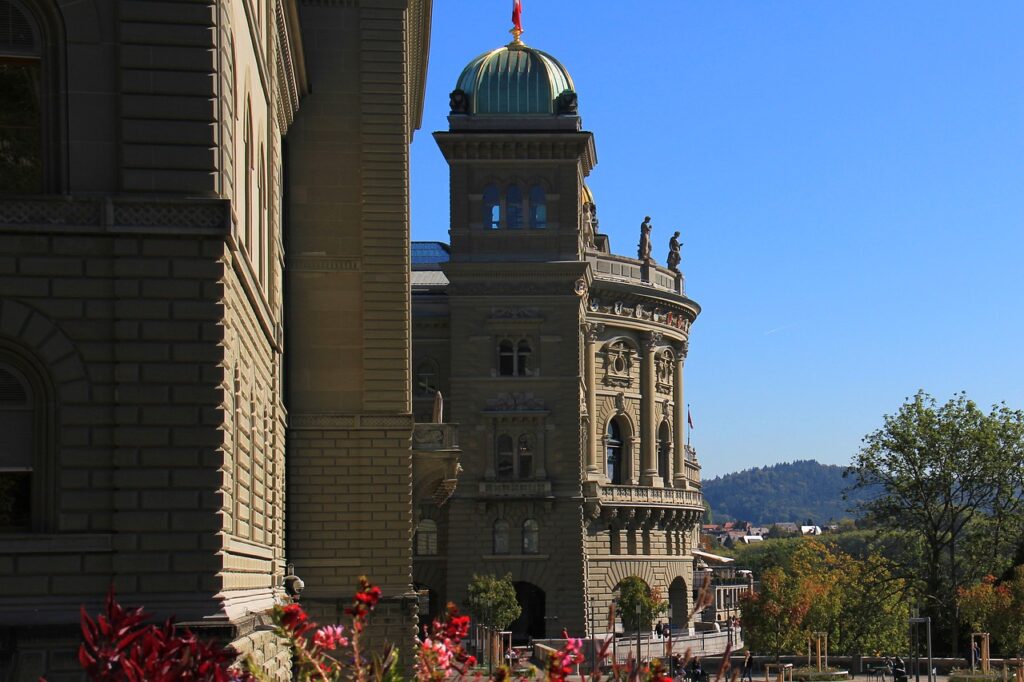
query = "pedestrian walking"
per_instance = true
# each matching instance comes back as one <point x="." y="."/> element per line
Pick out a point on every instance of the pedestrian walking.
<point x="748" y="667"/>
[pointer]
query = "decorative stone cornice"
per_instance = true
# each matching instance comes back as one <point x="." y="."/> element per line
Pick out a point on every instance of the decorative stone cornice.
<point x="538" y="146"/>
<point x="116" y="214"/>
<point x="308" y="263"/>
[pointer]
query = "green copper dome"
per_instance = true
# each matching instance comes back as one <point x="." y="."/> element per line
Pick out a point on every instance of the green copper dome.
<point x="514" y="79"/>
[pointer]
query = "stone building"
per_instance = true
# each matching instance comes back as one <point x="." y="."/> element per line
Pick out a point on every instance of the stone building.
<point x="165" y="167"/>
<point x="560" y="364"/>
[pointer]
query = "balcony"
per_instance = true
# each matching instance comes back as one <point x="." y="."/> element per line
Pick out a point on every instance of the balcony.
<point x="435" y="437"/>
<point x="666" y="508"/>
<point x="435" y="462"/>
<point x="608" y="266"/>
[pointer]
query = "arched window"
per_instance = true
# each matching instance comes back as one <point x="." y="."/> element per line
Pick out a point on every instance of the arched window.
<point x="17" y="451"/>
<point x="614" y="445"/>
<point x="501" y="536"/>
<point x="426" y="538"/>
<point x="491" y="208"/>
<point x="523" y="351"/>
<point x="538" y="208"/>
<point x="24" y="91"/>
<point x="664" y="450"/>
<point x="514" y="207"/>
<point x="524" y="457"/>
<point x="506" y="358"/>
<point x="531" y="537"/>
<point x="506" y="466"/>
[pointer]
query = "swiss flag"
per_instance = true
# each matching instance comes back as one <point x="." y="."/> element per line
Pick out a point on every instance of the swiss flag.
<point x="517" y="14"/>
<point x="689" y="418"/>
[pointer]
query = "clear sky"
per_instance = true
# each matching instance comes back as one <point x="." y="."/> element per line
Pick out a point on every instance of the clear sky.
<point x="848" y="178"/>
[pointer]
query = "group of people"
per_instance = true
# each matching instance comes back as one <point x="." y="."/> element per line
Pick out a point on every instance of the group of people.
<point x="694" y="671"/>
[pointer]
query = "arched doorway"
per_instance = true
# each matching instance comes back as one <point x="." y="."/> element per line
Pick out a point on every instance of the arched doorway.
<point x="530" y="623"/>
<point x="677" y="611"/>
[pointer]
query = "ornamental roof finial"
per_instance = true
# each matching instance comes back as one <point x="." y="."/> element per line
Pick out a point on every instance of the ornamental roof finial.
<point x="517" y="22"/>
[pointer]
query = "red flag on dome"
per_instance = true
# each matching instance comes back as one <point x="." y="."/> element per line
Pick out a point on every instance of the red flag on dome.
<point x="517" y="15"/>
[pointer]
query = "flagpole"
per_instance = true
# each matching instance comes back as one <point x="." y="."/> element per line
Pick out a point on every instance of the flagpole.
<point x="688" y="429"/>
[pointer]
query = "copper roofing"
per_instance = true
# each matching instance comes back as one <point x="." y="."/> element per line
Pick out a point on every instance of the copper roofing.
<point x="514" y="79"/>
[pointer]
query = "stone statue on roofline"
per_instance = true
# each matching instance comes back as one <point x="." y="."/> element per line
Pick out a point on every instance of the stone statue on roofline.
<point x="674" y="257"/>
<point x="644" y="248"/>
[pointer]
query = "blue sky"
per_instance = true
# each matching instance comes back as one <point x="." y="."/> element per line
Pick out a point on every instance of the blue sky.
<point x="848" y="178"/>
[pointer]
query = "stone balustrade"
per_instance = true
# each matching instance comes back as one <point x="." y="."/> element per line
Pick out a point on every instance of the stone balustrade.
<point x="433" y="437"/>
<point x="521" y="489"/>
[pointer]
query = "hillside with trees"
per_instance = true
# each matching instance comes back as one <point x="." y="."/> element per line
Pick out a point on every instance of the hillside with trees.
<point x="792" y="491"/>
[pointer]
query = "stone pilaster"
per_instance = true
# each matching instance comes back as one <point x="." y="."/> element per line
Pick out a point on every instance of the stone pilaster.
<point x="679" y="418"/>
<point x="648" y="440"/>
<point x="591" y="332"/>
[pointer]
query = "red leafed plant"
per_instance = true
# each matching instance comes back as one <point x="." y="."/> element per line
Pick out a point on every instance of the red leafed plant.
<point x="119" y="645"/>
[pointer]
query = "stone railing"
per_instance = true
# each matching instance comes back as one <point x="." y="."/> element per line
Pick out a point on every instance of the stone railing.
<point x="515" y="488"/>
<point x="59" y="212"/>
<point x="622" y="269"/>
<point x="432" y="437"/>
<point x="649" y="497"/>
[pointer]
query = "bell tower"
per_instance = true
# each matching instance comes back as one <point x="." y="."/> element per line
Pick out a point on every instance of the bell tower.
<point x="518" y="158"/>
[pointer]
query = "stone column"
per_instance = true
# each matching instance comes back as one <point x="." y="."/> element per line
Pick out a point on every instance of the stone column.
<point x="679" y="426"/>
<point x="649" y="441"/>
<point x="591" y="332"/>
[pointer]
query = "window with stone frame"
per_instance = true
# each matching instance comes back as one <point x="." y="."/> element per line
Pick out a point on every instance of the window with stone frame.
<point x="491" y="210"/>
<point x="426" y="538"/>
<point x="24" y="95"/>
<point x="427" y="378"/>
<point x="538" y="208"/>
<point x="664" y="451"/>
<point x="615" y="459"/>
<point x="500" y="537"/>
<point x="505" y="466"/>
<point x="618" y="363"/>
<point x="514" y="206"/>
<point x="531" y="537"/>
<point x="524" y="456"/>
<point x="515" y="457"/>
<point x="514" y="357"/>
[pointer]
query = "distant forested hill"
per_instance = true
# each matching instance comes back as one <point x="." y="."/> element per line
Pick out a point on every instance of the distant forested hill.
<point x="794" y="491"/>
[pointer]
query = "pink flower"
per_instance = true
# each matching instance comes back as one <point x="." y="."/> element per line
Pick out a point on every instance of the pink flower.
<point x="330" y="637"/>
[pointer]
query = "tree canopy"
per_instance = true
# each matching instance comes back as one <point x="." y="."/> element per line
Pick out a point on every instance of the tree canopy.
<point x="638" y="604"/>
<point x="491" y="600"/>
<point x="947" y="481"/>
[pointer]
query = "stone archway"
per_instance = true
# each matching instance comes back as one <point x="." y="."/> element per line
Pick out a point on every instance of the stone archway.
<point x="677" y="603"/>
<point x="530" y="624"/>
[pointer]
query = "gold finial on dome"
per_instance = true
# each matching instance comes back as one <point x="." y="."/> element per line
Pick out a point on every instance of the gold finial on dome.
<point x="517" y="22"/>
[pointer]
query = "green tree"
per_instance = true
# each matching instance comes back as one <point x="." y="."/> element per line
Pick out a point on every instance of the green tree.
<point x="873" y="609"/>
<point x="946" y="481"/>
<point x="492" y="601"/>
<point x="638" y="604"/>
